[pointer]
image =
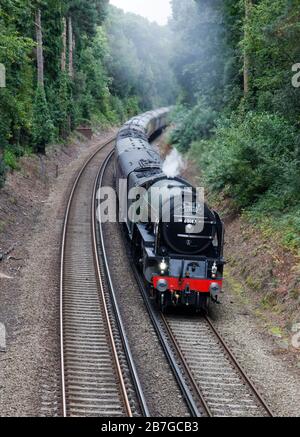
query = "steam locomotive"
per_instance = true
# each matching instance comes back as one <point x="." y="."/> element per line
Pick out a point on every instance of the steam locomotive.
<point x="177" y="241"/>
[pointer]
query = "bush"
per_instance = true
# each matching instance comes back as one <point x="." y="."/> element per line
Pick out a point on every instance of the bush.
<point x="132" y="106"/>
<point x="193" y="124"/>
<point x="10" y="159"/>
<point x="253" y="159"/>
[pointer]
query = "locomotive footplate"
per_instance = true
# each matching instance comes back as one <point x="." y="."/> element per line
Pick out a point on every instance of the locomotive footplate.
<point x="176" y="285"/>
<point x="187" y="292"/>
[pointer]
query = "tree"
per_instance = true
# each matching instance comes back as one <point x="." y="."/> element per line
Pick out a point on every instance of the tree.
<point x="71" y="47"/>
<point x="64" y="46"/>
<point x="241" y="114"/>
<point x="139" y="59"/>
<point x="42" y="126"/>
<point x="248" y="4"/>
<point x="40" y="49"/>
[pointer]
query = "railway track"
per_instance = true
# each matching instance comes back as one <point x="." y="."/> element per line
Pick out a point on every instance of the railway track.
<point x="214" y="381"/>
<point x="212" y="368"/>
<point x="97" y="370"/>
<point x="209" y="377"/>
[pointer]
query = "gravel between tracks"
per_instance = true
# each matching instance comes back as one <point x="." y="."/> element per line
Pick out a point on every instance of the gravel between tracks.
<point x="29" y="302"/>
<point x="160" y="388"/>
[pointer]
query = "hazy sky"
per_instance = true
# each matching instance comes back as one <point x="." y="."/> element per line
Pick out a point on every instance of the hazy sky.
<point x="154" y="10"/>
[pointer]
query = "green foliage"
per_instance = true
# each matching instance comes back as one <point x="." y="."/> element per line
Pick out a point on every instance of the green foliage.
<point x="131" y="106"/>
<point x="203" y="60"/>
<point x="60" y="101"/>
<point x="138" y="60"/>
<point x="91" y="88"/>
<point x="251" y="148"/>
<point x="15" y="55"/>
<point x="10" y="159"/>
<point x="192" y="124"/>
<point x="42" y="126"/>
<point x="253" y="159"/>
<point x="271" y="40"/>
<point x="121" y="66"/>
<point x="87" y="15"/>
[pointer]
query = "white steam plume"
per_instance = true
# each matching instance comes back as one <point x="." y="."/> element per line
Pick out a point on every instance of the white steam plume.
<point x="174" y="164"/>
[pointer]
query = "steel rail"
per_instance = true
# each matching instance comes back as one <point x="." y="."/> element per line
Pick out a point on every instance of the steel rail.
<point x="186" y="367"/>
<point x="101" y="285"/>
<point x="240" y="369"/>
<point x="192" y="357"/>
<point x="185" y="390"/>
<point x="91" y="394"/>
<point x="157" y="321"/>
<point x="101" y="244"/>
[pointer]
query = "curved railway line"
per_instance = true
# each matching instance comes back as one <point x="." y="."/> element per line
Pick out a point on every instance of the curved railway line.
<point x="94" y="376"/>
<point x="98" y="370"/>
<point x="208" y="375"/>
<point x="198" y="354"/>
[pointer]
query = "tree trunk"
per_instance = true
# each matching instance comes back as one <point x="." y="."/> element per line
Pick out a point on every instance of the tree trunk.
<point x="71" y="47"/>
<point x="40" y="54"/>
<point x="64" y="45"/>
<point x="248" y="5"/>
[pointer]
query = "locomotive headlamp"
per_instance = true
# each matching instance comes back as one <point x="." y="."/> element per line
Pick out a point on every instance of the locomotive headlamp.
<point x="163" y="266"/>
<point x="162" y="285"/>
<point x="214" y="270"/>
<point x="215" y="290"/>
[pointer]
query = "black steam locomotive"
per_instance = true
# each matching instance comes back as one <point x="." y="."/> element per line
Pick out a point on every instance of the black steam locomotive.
<point x="177" y="240"/>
